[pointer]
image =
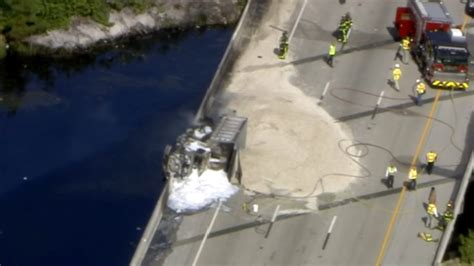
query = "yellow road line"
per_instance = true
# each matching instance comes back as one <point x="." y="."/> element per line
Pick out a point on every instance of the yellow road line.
<point x="401" y="197"/>
<point x="466" y="18"/>
<point x="421" y="142"/>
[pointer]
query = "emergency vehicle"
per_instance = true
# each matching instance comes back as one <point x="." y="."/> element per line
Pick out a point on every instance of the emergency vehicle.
<point x="439" y="48"/>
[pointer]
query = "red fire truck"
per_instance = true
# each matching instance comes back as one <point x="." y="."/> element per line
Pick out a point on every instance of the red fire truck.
<point x="439" y="48"/>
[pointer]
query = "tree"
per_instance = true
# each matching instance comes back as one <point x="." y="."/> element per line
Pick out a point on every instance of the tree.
<point x="466" y="247"/>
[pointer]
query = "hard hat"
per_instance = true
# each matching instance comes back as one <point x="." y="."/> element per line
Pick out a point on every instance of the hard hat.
<point x="418" y="81"/>
<point x="397" y="65"/>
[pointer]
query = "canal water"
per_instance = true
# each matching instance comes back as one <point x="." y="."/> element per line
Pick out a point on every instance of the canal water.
<point x="82" y="140"/>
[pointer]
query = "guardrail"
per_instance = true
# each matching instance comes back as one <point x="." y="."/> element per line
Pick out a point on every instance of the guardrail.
<point x="151" y="227"/>
<point x="239" y="40"/>
<point x="457" y="206"/>
<point x="235" y="45"/>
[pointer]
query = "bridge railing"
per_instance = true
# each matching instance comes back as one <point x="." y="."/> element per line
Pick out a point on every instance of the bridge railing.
<point x="247" y="25"/>
<point x="239" y="38"/>
<point x="150" y="230"/>
<point x="457" y="207"/>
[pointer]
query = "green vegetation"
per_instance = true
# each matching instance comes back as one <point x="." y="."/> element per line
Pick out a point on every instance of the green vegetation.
<point x="201" y="20"/>
<point x="466" y="247"/>
<point x="241" y="3"/>
<point x="22" y="18"/>
<point x="3" y="49"/>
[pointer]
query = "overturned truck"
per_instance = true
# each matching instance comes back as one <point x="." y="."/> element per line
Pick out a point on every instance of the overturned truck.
<point x="204" y="147"/>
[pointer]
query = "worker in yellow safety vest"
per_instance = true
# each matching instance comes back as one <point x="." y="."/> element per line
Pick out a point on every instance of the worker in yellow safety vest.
<point x="431" y="158"/>
<point x="344" y="28"/>
<point x="390" y="175"/>
<point x="420" y="89"/>
<point x="406" y="43"/>
<point x="397" y="72"/>
<point x="412" y="175"/>
<point x="448" y="216"/>
<point x="432" y="212"/>
<point x="396" y="75"/>
<point x="331" y="54"/>
<point x="403" y="50"/>
<point x="284" y="46"/>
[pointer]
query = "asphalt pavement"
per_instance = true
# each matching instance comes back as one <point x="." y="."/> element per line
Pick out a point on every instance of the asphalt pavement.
<point x="398" y="132"/>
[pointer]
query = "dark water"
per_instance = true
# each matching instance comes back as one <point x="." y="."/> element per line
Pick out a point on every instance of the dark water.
<point x="81" y="144"/>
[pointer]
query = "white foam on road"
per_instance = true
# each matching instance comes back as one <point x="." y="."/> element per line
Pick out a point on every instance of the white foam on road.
<point x="197" y="192"/>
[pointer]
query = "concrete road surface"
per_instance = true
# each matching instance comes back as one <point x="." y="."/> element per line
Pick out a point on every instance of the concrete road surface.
<point x="396" y="134"/>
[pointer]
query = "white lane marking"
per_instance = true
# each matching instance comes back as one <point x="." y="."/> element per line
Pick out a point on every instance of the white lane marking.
<point x="326" y="88"/>
<point x="275" y="213"/>
<point x="332" y="224"/>
<point x="380" y="98"/>
<point x="207" y="233"/>
<point x="297" y="21"/>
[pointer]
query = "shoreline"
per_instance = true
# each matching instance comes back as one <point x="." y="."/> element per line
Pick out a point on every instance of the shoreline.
<point x="104" y="45"/>
<point x="84" y="33"/>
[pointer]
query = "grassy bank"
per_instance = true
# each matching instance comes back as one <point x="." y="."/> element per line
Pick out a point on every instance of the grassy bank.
<point x="22" y="18"/>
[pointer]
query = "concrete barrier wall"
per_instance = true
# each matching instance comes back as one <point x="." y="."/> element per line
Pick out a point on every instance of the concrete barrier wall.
<point x="448" y="232"/>
<point x="248" y="22"/>
<point x="151" y="227"/>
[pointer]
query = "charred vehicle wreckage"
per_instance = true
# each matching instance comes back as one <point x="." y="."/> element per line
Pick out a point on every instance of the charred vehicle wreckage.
<point x="205" y="147"/>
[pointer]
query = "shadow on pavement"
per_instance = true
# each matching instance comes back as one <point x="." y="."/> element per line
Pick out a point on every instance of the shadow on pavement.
<point x="380" y="194"/>
<point x="318" y="57"/>
<point x="322" y="207"/>
<point x="402" y="106"/>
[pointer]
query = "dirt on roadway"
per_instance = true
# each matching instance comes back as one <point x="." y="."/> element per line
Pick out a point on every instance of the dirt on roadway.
<point x="294" y="147"/>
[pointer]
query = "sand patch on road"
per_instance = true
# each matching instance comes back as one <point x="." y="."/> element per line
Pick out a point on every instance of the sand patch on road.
<point x="293" y="145"/>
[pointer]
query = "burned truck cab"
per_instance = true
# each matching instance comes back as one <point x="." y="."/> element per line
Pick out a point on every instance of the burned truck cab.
<point x="207" y="147"/>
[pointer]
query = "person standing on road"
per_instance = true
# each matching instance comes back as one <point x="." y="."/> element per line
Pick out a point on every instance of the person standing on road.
<point x="390" y="175"/>
<point x="420" y="89"/>
<point x="331" y="54"/>
<point x="432" y="212"/>
<point x="396" y="75"/>
<point x="346" y="29"/>
<point x="403" y="50"/>
<point x="431" y="158"/>
<point x="412" y="175"/>
<point x="448" y="216"/>
<point x="284" y="46"/>
<point x="344" y="26"/>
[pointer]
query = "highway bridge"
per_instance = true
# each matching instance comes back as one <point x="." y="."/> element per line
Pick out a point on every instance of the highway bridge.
<point x="366" y="224"/>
